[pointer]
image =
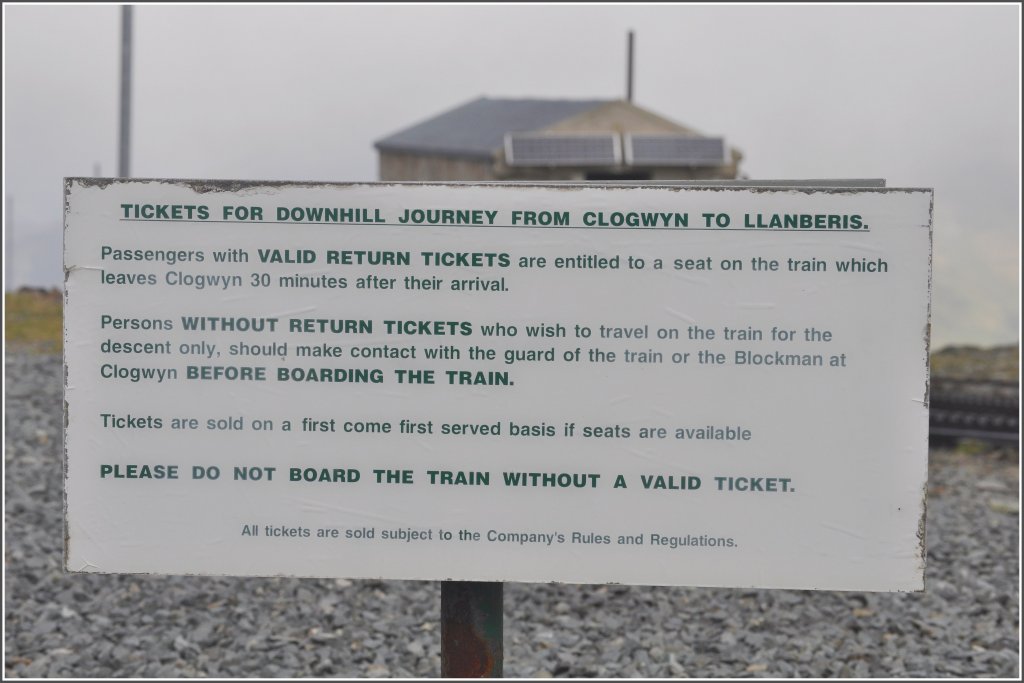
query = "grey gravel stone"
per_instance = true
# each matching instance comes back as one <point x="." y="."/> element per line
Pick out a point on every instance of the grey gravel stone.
<point x="106" y="626"/>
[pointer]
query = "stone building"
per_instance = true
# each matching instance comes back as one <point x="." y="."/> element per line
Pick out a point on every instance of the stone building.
<point x="529" y="139"/>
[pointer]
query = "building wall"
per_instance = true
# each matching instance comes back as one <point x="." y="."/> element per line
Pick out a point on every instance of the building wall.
<point x="726" y="172"/>
<point x="411" y="167"/>
<point x="398" y="167"/>
<point x="610" y="174"/>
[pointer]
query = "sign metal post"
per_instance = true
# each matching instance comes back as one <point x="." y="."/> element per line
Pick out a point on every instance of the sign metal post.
<point x="471" y="629"/>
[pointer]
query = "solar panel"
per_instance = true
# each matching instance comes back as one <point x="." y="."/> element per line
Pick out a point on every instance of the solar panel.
<point x="674" y="150"/>
<point x="522" y="149"/>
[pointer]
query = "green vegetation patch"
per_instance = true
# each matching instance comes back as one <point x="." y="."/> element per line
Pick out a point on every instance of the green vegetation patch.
<point x="32" y="320"/>
<point x="971" y="362"/>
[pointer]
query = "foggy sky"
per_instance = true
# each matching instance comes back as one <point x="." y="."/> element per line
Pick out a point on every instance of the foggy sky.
<point x="923" y="96"/>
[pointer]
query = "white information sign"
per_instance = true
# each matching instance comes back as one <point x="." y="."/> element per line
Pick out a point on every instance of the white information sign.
<point x="641" y="385"/>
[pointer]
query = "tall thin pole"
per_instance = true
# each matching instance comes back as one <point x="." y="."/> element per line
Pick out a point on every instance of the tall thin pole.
<point x="9" y="247"/>
<point x="124" y="150"/>
<point x="629" y="67"/>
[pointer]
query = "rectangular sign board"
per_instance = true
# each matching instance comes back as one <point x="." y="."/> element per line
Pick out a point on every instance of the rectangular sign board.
<point x="589" y="384"/>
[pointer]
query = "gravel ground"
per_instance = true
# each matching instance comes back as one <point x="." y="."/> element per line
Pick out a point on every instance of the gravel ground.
<point x="58" y="625"/>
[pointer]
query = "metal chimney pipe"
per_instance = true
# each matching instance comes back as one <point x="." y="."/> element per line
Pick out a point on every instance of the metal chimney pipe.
<point x="123" y="170"/>
<point x="629" y="67"/>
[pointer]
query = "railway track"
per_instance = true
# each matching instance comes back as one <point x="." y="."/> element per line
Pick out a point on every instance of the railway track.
<point x="985" y="410"/>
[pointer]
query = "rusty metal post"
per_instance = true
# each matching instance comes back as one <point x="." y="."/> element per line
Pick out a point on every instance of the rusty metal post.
<point x="472" y="630"/>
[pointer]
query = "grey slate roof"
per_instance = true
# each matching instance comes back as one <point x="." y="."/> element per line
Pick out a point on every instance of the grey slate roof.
<point x="476" y="129"/>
